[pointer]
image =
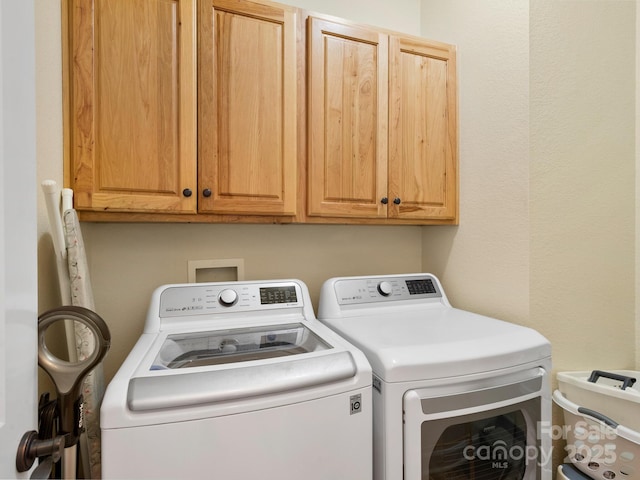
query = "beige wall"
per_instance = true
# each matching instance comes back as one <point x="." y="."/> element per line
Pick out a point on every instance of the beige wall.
<point x="128" y="261"/>
<point x="583" y="180"/>
<point x="484" y="262"/>
<point x="637" y="232"/>
<point x="582" y="196"/>
<point x="48" y="135"/>
<point x="547" y="168"/>
<point x="399" y="15"/>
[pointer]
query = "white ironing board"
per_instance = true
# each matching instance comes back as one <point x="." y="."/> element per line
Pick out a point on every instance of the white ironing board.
<point x="75" y="289"/>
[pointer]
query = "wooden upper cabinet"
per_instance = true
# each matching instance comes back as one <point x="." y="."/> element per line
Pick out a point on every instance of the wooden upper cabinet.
<point x="347" y="135"/>
<point x="382" y="125"/>
<point x="247" y="108"/>
<point x="422" y="130"/>
<point x="193" y="110"/>
<point x="131" y="104"/>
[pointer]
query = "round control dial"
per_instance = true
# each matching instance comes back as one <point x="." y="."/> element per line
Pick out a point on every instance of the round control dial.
<point x="228" y="297"/>
<point x="385" y="288"/>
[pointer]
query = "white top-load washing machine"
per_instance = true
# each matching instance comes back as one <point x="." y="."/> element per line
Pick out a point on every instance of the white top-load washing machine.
<point x="238" y="381"/>
<point x="456" y="395"/>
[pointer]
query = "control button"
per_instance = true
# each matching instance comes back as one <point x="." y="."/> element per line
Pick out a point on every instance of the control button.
<point x="228" y="297"/>
<point x="385" y="288"/>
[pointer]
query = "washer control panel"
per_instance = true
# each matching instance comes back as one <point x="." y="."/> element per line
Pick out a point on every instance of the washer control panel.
<point x="366" y="290"/>
<point x="196" y="299"/>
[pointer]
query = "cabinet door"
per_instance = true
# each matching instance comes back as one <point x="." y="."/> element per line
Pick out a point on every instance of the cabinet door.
<point x="347" y="85"/>
<point x="131" y="145"/>
<point x="422" y="130"/>
<point x="247" y="108"/>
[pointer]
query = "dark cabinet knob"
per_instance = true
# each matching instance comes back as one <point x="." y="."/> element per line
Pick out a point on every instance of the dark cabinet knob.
<point x="206" y="192"/>
<point x="187" y="192"/>
<point x="397" y="200"/>
<point x="384" y="200"/>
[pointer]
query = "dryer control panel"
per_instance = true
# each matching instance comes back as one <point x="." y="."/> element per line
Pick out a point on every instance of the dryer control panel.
<point x="357" y="290"/>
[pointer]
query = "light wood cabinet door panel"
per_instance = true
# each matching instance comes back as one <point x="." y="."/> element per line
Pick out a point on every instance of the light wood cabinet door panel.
<point x="347" y="85"/>
<point x="247" y="108"/>
<point x="422" y="130"/>
<point x="132" y="105"/>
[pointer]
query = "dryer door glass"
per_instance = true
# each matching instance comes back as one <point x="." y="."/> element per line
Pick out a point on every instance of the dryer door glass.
<point x="485" y="430"/>
<point x="481" y="449"/>
<point x="236" y="345"/>
<point x="494" y="444"/>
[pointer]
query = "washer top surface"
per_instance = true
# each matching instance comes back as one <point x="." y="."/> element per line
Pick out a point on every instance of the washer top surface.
<point x="406" y="327"/>
<point x="229" y="347"/>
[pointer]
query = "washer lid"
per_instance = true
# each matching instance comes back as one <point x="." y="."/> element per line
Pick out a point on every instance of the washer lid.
<point x="201" y="368"/>
<point x="442" y="342"/>
<point x="198" y="349"/>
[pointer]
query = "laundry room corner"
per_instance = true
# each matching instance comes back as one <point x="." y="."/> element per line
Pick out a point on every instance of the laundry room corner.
<point x="548" y="168"/>
<point x="549" y="186"/>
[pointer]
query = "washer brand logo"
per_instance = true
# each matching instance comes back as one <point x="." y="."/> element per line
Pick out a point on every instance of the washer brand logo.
<point x="356" y="403"/>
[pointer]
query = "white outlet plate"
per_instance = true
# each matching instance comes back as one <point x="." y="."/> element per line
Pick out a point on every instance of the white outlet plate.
<point x="220" y="270"/>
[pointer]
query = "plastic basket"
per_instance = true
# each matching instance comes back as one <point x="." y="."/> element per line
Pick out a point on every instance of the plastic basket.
<point x="596" y="444"/>
<point x="614" y="393"/>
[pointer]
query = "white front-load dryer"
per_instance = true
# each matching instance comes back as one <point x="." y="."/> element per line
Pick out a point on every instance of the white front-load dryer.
<point x="457" y="396"/>
<point x="238" y="381"/>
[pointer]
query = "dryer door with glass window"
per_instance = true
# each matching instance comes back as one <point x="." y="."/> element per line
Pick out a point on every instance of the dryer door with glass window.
<point x="488" y="432"/>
